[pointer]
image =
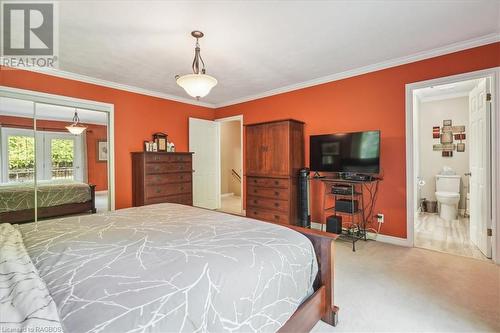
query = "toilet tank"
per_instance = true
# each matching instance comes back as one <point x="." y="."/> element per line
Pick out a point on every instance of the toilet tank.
<point x="448" y="183"/>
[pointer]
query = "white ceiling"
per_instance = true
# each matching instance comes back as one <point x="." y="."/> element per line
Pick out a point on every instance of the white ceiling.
<point x="25" y="109"/>
<point x="445" y="91"/>
<point x="253" y="47"/>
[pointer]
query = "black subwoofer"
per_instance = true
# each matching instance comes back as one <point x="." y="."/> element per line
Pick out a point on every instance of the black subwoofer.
<point x="334" y="224"/>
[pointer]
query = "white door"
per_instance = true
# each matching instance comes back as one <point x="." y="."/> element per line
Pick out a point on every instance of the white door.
<point x="204" y="143"/>
<point x="479" y="152"/>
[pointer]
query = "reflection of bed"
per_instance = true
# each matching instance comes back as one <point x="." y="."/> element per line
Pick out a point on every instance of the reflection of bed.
<point x="54" y="198"/>
<point x="168" y="267"/>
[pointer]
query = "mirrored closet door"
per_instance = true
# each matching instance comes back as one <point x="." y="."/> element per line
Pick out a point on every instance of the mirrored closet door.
<point x="54" y="161"/>
<point x="17" y="160"/>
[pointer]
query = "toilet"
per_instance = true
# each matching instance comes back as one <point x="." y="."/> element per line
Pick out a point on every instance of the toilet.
<point x="448" y="196"/>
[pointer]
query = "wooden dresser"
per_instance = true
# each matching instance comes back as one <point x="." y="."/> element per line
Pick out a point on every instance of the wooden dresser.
<point x="162" y="177"/>
<point x="274" y="155"/>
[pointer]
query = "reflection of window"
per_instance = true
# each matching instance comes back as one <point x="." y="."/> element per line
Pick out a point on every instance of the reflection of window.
<point x="369" y="145"/>
<point x="328" y="150"/>
<point x="62" y="156"/>
<point x="21" y="158"/>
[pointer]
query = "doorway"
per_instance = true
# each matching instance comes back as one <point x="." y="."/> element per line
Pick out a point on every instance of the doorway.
<point x="231" y="159"/>
<point x="452" y="140"/>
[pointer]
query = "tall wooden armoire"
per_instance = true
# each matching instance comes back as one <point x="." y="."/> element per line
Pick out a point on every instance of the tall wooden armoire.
<point x="274" y="155"/>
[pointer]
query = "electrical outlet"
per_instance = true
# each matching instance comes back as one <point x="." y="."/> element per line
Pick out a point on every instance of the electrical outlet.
<point x="380" y="218"/>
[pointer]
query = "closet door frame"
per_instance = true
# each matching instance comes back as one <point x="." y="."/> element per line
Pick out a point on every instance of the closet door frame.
<point x="39" y="97"/>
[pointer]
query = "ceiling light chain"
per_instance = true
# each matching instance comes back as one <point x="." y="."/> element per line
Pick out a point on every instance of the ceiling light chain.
<point x="197" y="59"/>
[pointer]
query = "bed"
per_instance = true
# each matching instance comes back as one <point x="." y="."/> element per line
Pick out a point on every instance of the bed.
<point x="54" y="197"/>
<point x="165" y="268"/>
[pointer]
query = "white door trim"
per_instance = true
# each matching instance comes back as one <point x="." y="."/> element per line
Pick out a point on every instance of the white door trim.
<point x="39" y="97"/>
<point x="494" y="75"/>
<point x="233" y="118"/>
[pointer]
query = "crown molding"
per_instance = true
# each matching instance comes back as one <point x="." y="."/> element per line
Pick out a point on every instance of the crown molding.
<point x="119" y="86"/>
<point x="451" y="48"/>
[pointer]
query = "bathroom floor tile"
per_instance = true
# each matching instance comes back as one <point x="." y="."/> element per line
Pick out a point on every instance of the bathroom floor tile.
<point x="434" y="233"/>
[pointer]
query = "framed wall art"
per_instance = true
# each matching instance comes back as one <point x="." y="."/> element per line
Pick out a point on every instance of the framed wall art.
<point x="102" y="150"/>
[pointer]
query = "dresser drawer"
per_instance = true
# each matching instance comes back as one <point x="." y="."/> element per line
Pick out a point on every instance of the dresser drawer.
<point x="271" y="204"/>
<point x="154" y="168"/>
<point x="168" y="178"/>
<point x="267" y="192"/>
<point x="167" y="189"/>
<point x="264" y="215"/>
<point x="159" y="157"/>
<point x="268" y="182"/>
<point x="184" y="199"/>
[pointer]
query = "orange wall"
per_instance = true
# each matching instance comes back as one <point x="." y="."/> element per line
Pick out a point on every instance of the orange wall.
<point x="97" y="172"/>
<point x="371" y="101"/>
<point x="137" y="117"/>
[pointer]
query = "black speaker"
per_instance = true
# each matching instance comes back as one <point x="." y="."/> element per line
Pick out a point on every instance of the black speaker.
<point x="303" y="197"/>
<point x="334" y="224"/>
<point x="346" y="205"/>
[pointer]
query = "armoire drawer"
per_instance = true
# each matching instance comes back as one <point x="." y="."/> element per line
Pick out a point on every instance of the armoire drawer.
<point x="268" y="182"/>
<point x="168" y="178"/>
<point x="270" y="204"/>
<point x="268" y="192"/>
<point x="161" y="157"/>
<point x="184" y="199"/>
<point x="264" y="215"/>
<point x="168" y="189"/>
<point x="154" y="168"/>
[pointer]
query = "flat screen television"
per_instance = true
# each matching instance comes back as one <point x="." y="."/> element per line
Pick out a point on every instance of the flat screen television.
<point x="357" y="152"/>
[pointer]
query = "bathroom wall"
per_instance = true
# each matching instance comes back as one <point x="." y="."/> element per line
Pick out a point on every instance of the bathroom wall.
<point x="432" y="113"/>
<point x="230" y="132"/>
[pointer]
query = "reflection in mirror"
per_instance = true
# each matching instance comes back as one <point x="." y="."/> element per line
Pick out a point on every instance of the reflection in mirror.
<point x="17" y="161"/>
<point x="70" y="177"/>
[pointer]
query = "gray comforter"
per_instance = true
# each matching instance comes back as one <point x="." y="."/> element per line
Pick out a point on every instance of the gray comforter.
<point x="171" y="268"/>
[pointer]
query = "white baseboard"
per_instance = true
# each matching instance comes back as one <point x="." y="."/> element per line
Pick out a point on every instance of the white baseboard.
<point x="373" y="236"/>
<point x="223" y="195"/>
<point x="389" y="239"/>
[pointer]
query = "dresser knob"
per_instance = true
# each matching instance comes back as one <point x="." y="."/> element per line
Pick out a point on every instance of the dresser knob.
<point x="255" y="201"/>
<point x="276" y="193"/>
<point x="276" y="204"/>
<point x="256" y="213"/>
<point x="277" y="217"/>
<point x="254" y="191"/>
<point x="276" y="182"/>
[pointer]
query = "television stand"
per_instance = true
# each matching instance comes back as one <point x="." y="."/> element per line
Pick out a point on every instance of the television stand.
<point x="362" y="194"/>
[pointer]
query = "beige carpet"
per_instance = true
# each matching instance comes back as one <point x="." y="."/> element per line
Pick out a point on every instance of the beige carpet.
<point x="386" y="288"/>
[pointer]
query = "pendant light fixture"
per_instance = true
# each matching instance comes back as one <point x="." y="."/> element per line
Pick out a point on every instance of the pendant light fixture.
<point x="199" y="83"/>
<point x="76" y="128"/>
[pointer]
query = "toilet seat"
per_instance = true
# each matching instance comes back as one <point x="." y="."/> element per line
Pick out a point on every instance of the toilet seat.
<point x="448" y="195"/>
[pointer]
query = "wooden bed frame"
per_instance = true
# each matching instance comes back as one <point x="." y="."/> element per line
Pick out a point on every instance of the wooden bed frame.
<point x="28" y="215"/>
<point x="320" y="304"/>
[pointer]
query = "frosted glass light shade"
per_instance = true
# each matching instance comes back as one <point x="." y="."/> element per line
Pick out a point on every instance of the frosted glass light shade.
<point x="76" y="129"/>
<point x="197" y="85"/>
